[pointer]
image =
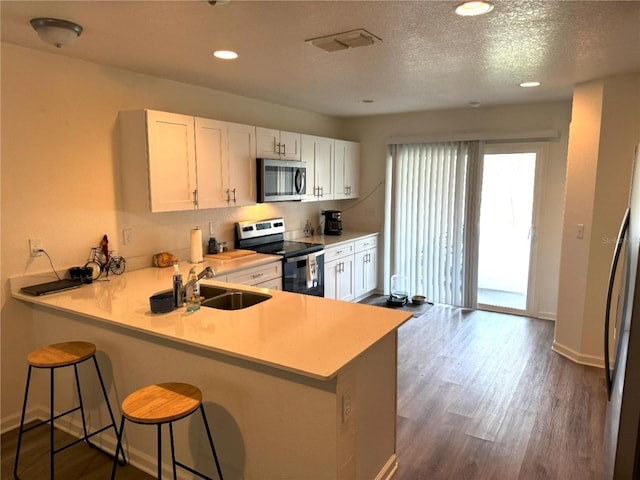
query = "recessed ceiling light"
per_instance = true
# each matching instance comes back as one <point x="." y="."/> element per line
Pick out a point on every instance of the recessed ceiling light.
<point x="474" y="104"/>
<point x="471" y="9"/>
<point x="530" y="84"/>
<point x="367" y="100"/>
<point x="225" y="54"/>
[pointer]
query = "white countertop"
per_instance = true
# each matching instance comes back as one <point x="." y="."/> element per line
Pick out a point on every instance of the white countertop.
<point x="303" y="334"/>
<point x="330" y="240"/>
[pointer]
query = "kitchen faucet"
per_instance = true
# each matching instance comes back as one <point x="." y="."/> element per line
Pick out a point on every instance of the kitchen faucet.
<point x="179" y="290"/>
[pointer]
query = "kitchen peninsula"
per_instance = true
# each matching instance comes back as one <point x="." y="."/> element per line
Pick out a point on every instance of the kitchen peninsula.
<point x="296" y="387"/>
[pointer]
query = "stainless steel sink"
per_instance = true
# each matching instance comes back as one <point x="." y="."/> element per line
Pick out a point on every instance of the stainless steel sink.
<point x="208" y="291"/>
<point x="235" y="300"/>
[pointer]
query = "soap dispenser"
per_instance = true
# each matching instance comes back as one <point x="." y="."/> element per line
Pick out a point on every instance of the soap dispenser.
<point x="177" y="286"/>
<point x="193" y="291"/>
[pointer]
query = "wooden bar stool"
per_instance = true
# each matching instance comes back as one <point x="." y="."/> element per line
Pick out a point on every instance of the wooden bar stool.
<point x="160" y="404"/>
<point x="57" y="356"/>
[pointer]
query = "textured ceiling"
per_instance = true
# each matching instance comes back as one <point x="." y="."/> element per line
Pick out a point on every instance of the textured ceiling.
<point x="429" y="58"/>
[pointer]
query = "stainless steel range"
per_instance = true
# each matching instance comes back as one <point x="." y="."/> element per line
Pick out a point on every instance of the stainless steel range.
<point x="302" y="262"/>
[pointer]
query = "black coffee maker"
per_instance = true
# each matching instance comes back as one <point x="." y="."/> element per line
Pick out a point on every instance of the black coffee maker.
<point x="332" y="222"/>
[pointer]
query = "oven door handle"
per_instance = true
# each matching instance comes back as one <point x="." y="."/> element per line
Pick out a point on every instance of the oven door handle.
<point x="303" y="257"/>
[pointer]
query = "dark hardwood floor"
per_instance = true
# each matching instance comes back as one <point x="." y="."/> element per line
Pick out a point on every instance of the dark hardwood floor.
<point x="79" y="462"/>
<point x="480" y="396"/>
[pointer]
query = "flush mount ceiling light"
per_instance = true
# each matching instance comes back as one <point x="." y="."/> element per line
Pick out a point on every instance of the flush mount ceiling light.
<point x="471" y="9"/>
<point x="225" y="54"/>
<point x="344" y="40"/>
<point x="530" y="84"/>
<point x="56" y="32"/>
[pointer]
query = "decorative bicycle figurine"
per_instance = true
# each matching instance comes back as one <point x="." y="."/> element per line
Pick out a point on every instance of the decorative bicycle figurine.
<point x="101" y="260"/>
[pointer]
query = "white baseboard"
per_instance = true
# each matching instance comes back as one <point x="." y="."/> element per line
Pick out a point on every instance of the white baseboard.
<point x="577" y="357"/>
<point x="546" y="316"/>
<point x="389" y="468"/>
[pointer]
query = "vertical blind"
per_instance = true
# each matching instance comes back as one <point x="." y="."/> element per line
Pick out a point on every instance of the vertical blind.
<point x="433" y="230"/>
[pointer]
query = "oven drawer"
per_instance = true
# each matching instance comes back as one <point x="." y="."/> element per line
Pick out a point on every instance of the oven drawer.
<point x="256" y="275"/>
<point x="339" y="251"/>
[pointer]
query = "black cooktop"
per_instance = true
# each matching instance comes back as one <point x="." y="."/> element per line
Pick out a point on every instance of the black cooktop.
<point x="288" y="248"/>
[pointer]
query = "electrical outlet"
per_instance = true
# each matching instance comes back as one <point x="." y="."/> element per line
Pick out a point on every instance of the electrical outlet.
<point x="127" y="236"/>
<point x="212" y="228"/>
<point x="35" y="247"/>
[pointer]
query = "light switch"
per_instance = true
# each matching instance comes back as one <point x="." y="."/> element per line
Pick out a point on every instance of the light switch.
<point x="580" y="231"/>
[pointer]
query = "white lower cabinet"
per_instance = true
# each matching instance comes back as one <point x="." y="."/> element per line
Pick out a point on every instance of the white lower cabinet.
<point x="365" y="266"/>
<point x="338" y="272"/>
<point x="351" y="271"/>
<point x="264" y="276"/>
<point x="339" y="279"/>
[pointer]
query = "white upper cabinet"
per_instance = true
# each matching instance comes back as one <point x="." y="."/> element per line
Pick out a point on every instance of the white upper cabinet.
<point x="272" y="143"/>
<point x="346" y="181"/>
<point x="226" y="163"/>
<point x="158" y="161"/>
<point x="211" y="154"/>
<point x="173" y="162"/>
<point x="318" y="154"/>
<point x="242" y="164"/>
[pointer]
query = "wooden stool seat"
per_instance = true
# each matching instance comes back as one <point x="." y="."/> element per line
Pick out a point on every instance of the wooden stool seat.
<point x="161" y="403"/>
<point x="165" y="403"/>
<point x="61" y="354"/>
<point x="52" y="358"/>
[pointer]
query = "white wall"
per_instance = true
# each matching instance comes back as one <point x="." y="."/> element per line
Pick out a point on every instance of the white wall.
<point x="373" y="133"/>
<point x="604" y="133"/>
<point x="60" y="177"/>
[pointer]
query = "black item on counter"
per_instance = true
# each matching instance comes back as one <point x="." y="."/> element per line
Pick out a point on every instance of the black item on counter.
<point x="83" y="273"/>
<point x="332" y="222"/>
<point x="213" y="246"/>
<point x="52" y="287"/>
<point x="162" y="302"/>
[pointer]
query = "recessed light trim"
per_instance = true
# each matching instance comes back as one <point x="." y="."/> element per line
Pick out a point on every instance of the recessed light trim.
<point x="530" y="84"/>
<point x="472" y="9"/>
<point x="367" y="100"/>
<point x="225" y="54"/>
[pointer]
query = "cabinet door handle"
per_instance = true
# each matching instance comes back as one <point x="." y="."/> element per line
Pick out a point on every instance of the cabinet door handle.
<point x="284" y="150"/>
<point x="279" y="148"/>
<point x="257" y="275"/>
<point x="228" y="196"/>
<point x="322" y="191"/>
<point x="195" y="198"/>
<point x="234" y="195"/>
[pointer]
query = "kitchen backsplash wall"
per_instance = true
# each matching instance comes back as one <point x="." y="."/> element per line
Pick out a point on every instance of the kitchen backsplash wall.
<point x="170" y="231"/>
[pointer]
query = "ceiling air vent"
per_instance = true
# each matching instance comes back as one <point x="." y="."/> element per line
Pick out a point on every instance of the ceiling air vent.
<point x="342" y="41"/>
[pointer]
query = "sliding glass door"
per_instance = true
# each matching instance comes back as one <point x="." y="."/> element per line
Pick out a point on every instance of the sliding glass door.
<point x="507" y="227"/>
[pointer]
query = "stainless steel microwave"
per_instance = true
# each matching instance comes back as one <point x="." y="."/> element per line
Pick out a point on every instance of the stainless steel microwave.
<point x="281" y="180"/>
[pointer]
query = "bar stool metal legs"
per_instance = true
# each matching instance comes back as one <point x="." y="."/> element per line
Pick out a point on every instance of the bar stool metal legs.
<point x="166" y="403"/>
<point x="54" y="357"/>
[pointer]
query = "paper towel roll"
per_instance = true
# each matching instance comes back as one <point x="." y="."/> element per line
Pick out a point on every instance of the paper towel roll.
<point x="196" y="245"/>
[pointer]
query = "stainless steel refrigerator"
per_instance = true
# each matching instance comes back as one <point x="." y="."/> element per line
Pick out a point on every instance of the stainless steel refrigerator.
<point x="622" y="429"/>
